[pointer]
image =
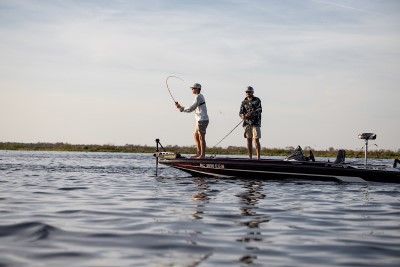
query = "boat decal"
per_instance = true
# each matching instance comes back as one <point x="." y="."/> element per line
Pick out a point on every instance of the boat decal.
<point x="212" y="166"/>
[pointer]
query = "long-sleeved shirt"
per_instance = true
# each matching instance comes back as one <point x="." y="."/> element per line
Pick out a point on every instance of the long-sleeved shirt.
<point x="200" y="108"/>
<point x="254" y="106"/>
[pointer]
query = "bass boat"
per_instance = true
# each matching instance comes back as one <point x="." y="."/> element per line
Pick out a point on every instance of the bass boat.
<point x="294" y="166"/>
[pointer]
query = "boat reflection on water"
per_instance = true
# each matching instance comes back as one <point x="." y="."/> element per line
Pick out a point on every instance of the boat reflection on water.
<point x="249" y="200"/>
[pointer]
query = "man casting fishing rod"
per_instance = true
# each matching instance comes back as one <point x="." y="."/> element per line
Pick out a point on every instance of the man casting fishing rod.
<point x="250" y="112"/>
<point x="200" y="108"/>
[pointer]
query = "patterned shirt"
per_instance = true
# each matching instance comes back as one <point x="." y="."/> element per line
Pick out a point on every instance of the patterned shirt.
<point x="254" y="106"/>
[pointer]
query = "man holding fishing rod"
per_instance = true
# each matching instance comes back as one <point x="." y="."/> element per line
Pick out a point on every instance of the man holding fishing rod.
<point x="200" y="108"/>
<point x="250" y="112"/>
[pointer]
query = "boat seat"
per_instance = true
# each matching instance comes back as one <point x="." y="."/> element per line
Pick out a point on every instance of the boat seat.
<point x="367" y="136"/>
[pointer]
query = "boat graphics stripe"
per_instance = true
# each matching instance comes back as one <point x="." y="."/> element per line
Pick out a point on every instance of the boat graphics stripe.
<point x="341" y="178"/>
<point x="207" y="173"/>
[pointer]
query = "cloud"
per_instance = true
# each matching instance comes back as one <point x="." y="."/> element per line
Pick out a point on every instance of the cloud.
<point x="335" y="4"/>
<point x="303" y="57"/>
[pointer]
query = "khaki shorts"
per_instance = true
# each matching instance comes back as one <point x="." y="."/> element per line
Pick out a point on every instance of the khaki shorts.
<point x="201" y="126"/>
<point x="252" y="132"/>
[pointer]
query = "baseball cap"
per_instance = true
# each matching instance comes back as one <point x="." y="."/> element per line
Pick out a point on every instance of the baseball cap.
<point x="196" y="85"/>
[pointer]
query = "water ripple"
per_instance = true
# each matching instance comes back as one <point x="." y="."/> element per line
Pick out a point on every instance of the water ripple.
<point x="106" y="209"/>
<point x="31" y="231"/>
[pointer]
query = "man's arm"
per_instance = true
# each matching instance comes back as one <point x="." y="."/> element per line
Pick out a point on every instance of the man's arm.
<point x="259" y="107"/>
<point x="242" y="111"/>
<point x="193" y="106"/>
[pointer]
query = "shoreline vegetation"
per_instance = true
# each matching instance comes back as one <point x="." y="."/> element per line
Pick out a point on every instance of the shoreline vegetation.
<point x="230" y="150"/>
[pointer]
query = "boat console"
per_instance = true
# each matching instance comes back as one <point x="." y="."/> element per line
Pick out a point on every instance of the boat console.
<point x="298" y="155"/>
<point x="341" y="156"/>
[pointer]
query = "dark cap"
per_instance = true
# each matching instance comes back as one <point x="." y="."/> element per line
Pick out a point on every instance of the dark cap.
<point x="249" y="89"/>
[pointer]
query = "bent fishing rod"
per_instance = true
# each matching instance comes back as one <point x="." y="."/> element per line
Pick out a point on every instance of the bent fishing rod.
<point x="235" y="127"/>
<point x="166" y="82"/>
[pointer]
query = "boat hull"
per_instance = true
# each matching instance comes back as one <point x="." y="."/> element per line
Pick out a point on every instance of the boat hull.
<point x="279" y="169"/>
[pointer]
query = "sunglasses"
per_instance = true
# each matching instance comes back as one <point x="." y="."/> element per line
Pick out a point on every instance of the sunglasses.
<point x="249" y="92"/>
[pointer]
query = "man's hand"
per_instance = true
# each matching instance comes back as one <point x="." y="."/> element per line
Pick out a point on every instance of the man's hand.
<point x="178" y="106"/>
<point x="245" y="116"/>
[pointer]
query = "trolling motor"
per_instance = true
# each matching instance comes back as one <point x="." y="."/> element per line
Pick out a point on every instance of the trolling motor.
<point x="157" y="154"/>
<point x="366" y="137"/>
<point x="164" y="154"/>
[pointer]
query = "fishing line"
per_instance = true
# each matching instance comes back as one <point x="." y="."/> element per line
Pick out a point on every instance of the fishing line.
<point x="228" y="133"/>
<point x="166" y="82"/>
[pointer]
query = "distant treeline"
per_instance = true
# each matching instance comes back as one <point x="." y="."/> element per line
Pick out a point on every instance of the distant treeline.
<point x="230" y="150"/>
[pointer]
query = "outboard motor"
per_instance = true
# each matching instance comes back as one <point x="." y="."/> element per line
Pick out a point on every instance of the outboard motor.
<point x="341" y="156"/>
<point x="298" y="155"/>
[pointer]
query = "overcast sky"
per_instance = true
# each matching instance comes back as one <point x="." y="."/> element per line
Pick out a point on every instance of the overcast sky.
<point x="93" y="72"/>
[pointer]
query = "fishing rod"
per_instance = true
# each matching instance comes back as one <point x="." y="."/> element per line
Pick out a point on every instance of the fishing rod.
<point x="166" y="82"/>
<point x="229" y="133"/>
<point x="235" y="127"/>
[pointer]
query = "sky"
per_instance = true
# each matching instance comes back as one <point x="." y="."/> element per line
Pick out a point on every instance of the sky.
<point x="94" y="72"/>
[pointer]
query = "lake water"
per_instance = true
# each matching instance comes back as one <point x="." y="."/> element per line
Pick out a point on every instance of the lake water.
<point x="106" y="209"/>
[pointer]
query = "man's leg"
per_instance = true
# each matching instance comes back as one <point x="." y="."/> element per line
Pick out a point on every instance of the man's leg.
<point x="258" y="147"/>
<point x="250" y="148"/>
<point x="201" y="131"/>
<point x="202" y="140"/>
<point x="197" y="141"/>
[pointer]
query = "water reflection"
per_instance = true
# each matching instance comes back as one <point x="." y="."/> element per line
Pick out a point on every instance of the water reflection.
<point x="201" y="198"/>
<point x="249" y="200"/>
<point x="248" y="205"/>
<point x="367" y="197"/>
